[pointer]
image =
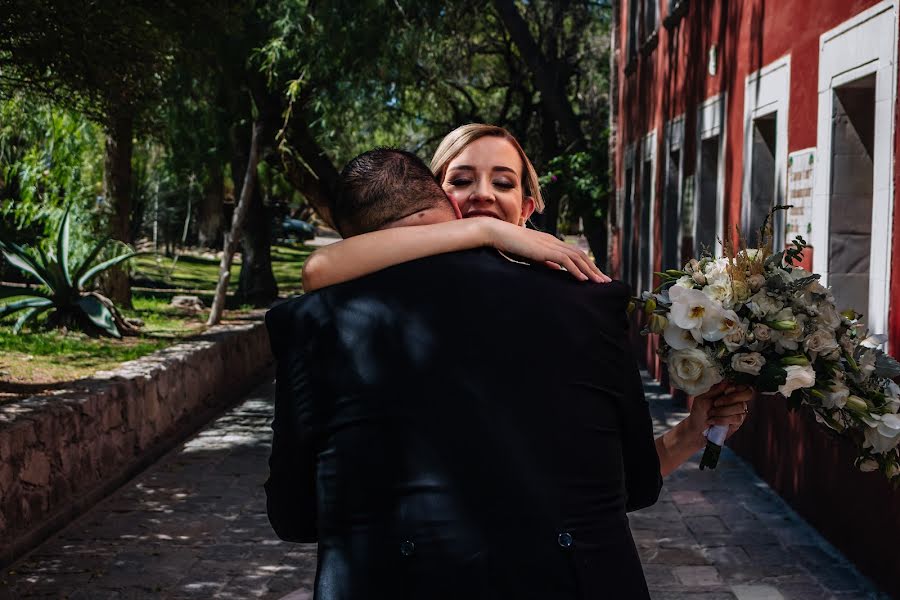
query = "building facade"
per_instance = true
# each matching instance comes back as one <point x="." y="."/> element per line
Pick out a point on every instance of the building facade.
<point x="722" y="109"/>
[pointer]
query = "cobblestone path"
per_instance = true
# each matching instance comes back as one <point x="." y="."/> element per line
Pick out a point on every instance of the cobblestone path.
<point x="194" y="526"/>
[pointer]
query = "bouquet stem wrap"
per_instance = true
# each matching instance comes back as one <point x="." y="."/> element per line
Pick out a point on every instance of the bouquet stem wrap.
<point x="715" y="439"/>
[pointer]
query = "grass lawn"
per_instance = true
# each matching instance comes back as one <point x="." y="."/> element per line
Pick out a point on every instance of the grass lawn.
<point x="39" y="359"/>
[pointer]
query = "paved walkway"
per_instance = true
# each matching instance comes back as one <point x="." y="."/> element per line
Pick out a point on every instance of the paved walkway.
<point x="194" y="526"/>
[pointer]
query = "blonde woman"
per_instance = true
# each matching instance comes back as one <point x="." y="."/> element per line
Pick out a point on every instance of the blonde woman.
<point x="487" y="175"/>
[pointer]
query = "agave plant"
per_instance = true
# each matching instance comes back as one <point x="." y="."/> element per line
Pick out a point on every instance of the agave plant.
<point x="63" y="287"/>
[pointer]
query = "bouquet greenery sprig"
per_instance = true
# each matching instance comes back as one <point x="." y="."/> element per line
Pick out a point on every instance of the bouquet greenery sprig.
<point x="753" y="316"/>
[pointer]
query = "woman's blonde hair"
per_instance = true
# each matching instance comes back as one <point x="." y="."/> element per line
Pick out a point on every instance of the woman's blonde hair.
<point x="455" y="141"/>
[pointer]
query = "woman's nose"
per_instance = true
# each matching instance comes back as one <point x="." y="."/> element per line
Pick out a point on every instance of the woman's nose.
<point x="483" y="191"/>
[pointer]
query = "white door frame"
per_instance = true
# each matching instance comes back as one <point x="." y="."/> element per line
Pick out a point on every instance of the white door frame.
<point x="860" y="46"/>
<point x="674" y="132"/>
<point x="710" y="115"/>
<point x="648" y="154"/>
<point x="768" y="91"/>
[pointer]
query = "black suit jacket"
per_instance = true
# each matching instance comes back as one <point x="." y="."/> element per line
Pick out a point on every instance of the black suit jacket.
<point x="461" y="426"/>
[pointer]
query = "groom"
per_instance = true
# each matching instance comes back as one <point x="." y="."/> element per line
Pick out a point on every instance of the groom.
<point x="460" y="426"/>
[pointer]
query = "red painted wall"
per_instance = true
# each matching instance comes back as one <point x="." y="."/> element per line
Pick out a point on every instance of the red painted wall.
<point x="812" y="470"/>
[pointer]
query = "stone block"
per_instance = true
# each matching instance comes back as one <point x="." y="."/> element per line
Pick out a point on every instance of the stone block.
<point x="697" y="576"/>
<point x="36" y="468"/>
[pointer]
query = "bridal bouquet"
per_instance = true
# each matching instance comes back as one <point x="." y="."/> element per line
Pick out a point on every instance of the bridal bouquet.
<point x="754" y="317"/>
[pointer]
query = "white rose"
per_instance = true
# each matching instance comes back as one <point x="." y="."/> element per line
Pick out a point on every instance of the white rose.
<point x="748" y="362"/>
<point x="761" y="304"/>
<point x="693" y="371"/>
<point x="868" y="465"/>
<point x="797" y="377"/>
<point x="679" y="338"/>
<point x="740" y="291"/>
<point x="828" y="315"/>
<point x="756" y="281"/>
<point x="820" y="342"/>
<point x="717" y="271"/>
<point x="685" y="281"/>
<point x="762" y="333"/>
<point x="836" y="396"/>
<point x="719" y="292"/>
<point x="736" y="339"/>
<point x="885" y="435"/>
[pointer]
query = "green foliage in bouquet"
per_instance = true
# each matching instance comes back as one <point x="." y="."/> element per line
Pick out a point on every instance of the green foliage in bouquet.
<point x="754" y="316"/>
<point x="63" y="288"/>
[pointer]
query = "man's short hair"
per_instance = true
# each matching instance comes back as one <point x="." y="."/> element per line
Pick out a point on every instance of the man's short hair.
<point x="381" y="186"/>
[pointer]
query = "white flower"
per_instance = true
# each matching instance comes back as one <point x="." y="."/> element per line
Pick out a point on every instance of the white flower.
<point x="716" y="272"/>
<point x="827" y="315"/>
<point x="748" y="362"/>
<point x="685" y="281"/>
<point x="797" y="377"/>
<point x="718" y="323"/>
<point x="836" y="396"/>
<point x="762" y="305"/>
<point x="689" y="306"/>
<point x="762" y="332"/>
<point x="885" y="435"/>
<point x="740" y="291"/>
<point x="692" y="370"/>
<point x="867" y="363"/>
<point x="868" y="465"/>
<point x="719" y="292"/>
<point x="790" y="338"/>
<point x="738" y="336"/>
<point x="820" y="342"/>
<point x="679" y="338"/>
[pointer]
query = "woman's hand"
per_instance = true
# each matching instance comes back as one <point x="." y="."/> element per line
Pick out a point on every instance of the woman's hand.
<point x="543" y="248"/>
<point x="725" y="403"/>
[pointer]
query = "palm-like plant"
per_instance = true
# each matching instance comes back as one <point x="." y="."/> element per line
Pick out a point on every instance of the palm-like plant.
<point x="63" y="287"/>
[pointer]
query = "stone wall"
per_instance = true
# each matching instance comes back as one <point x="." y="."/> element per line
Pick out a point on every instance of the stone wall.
<point x="60" y="453"/>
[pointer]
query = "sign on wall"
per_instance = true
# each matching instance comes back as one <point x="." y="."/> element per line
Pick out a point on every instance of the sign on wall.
<point x="800" y="171"/>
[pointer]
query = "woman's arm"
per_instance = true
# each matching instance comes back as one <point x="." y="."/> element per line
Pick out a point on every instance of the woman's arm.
<point x="724" y="404"/>
<point x="363" y="254"/>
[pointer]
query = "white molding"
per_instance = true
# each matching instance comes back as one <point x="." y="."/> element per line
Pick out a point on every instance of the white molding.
<point x="709" y="124"/>
<point x="649" y="154"/>
<point x="768" y="91"/>
<point x="862" y="45"/>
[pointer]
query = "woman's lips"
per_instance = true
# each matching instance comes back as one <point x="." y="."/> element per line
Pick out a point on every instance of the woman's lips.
<point x="483" y="213"/>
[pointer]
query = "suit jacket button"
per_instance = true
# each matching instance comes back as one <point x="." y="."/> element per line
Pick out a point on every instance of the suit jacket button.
<point x="407" y="548"/>
<point x="565" y="539"/>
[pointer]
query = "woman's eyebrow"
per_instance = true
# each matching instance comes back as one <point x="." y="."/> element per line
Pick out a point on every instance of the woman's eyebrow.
<point x="471" y="168"/>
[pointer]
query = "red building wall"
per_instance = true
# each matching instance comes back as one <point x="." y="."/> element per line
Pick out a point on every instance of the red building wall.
<point x="857" y="512"/>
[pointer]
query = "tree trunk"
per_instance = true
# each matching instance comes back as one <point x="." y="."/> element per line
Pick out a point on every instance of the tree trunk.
<point x="547" y="74"/>
<point x="212" y="214"/>
<point x="257" y="284"/>
<point x="313" y="175"/>
<point x="117" y="187"/>
<point x="237" y="221"/>
<point x="596" y="232"/>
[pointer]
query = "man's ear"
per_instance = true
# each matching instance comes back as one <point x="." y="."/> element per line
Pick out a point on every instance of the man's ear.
<point x="527" y="209"/>
<point x="455" y="205"/>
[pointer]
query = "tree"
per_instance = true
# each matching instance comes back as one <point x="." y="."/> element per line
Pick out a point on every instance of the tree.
<point x="103" y="59"/>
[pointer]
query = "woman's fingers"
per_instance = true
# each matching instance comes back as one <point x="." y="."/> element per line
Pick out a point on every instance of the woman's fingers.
<point x="741" y="396"/>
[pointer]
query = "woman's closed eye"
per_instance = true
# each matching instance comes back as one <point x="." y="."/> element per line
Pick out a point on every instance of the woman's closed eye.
<point x="460" y="182"/>
<point x="504" y="184"/>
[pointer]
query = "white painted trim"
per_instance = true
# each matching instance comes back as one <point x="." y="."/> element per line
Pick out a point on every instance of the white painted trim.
<point x="649" y="153"/>
<point x="862" y="45"/>
<point x="768" y="91"/>
<point x="709" y="124"/>
<point x="675" y="141"/>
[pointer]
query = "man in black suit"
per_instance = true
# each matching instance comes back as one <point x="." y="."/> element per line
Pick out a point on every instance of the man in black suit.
<point x="459" y="426"/>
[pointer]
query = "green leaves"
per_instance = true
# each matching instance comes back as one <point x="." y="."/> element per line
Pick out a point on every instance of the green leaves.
<point x="64" y="289"/>
<point x="99" y="314"/>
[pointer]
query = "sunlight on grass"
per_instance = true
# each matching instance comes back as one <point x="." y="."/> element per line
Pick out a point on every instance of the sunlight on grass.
<point x="40" y="356"/>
